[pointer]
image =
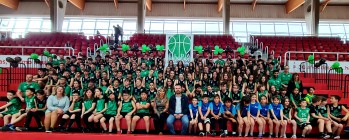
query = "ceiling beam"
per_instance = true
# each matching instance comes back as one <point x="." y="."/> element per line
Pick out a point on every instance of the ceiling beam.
<point x="148" y="3"/>
<point x="116" y="4"/>
<point x="184" y="4"/>
<point x="47" y="3"/>
<point x="220" y="5"/>
<point x="78" y="3"/>
<point x="13" y="4"/>
<point x="292" y="5"/>
<point x="323" y="5"/>
<point x="254" y="4"/>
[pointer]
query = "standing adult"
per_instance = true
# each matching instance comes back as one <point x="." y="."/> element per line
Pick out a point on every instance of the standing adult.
<point x="178" y="110"/>
<point x="118" y="33"/>
<point x="285" y="76"/>
<point x="295" y="82"/>
<point x="57" y="105"/>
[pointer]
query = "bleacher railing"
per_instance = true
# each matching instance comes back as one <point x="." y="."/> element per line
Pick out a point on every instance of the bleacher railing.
<point x="346" y="86"/>
<point x="4" y="76"/>
<point x="320" y="74"/>
<point x="18" y="74"/>
<point x="335" y="79"/>
<point x="71" y="50"/>
<point x="287" y="56"/>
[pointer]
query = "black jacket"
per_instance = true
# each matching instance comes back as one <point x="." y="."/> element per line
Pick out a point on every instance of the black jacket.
<point x="291" y="86"/>
<point x="184" y="104"/>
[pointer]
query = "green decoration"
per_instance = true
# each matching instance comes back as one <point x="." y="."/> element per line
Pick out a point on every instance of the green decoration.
<point x="311" y="59"/>
<point x="242" y="50"/>
<point x="125" y="47"/>
<point x="104" y="48"/>
<point x="339" y="70"/>
<point x="145" y="48"/>
<point x="0" y="70"/>
<point x="46" y="53"/>
<point x="335" y="65"/>
<point x="198" y="49"/>
<point x="217" y="50"/>
<point x="160" y="47"/>
<point x="34" y="56"/>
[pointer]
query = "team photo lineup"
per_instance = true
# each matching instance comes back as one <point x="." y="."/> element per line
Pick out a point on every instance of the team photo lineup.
<point x="98" y="93"/>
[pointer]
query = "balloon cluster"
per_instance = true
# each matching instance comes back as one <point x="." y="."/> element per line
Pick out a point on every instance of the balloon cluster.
<point x="160" y="48"/>
<point x="14" y="62"/>
<point x="125" y="47"/>
<point x="198" y="49"/>
<point x="145" y="48"/>
<point x="336" y="67"/>
<point x="311" y="59"/>
<point x="104" y="48"/>
<point x="242" y="50"/>
<point x="217" y="50"/>
<point x="47" y="54"/>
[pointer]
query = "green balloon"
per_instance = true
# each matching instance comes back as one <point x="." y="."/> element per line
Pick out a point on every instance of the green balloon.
<point x="339" y="70"/>
<point x="46" y="53"/>
<point x="34" y="56"/>
<point x="335" y="65"/>
<point x="311" y="59"/>
<point x="125" y="47"/>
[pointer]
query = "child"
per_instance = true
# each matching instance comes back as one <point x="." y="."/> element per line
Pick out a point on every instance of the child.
<point x="193" y="110"/>
<point x="337" y="117"/>
<point x="236" y="95"/>
<point x="229" y="114"/>
<point x="110" y="113"/>
<point x="255" y="108"/>
<point x="73" y="113"/>
<point x="261" y="92"/>
<point x="101" y="107"/>
<point x="287" y="115"/>
<point x="143" y="111"/>
<point x="296" y="97"/>
<point x="204" y="117"/>
<point x="310" y="95"/>
<point x="315" y="117"/>
<point x="224" y="92"/>
<point x="322" y="109"/>
<point x="210" y="93"/>
<point x="283" y="94"/>
<point x="302" y="117"/>
<point x="29" y="99"/>
<point x="276" y="111"/>
<point x="243" y="111"/>
<point x="264" y="113"/>
<point x="38" y="112"/>
<point x="216" y="115"/>
<point x="126" y="109"/>
<point x="88" y="106"/>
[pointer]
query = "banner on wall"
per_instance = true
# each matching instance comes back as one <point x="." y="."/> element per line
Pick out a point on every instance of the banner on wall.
<point x="5" y="64"/>
<point x="179" y="47"/>
<point x="294" y="66"/>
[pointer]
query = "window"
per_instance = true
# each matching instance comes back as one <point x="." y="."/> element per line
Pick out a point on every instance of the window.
<point x="75" y="25"/>
<point x="304" y="25"/>
<point x="7" y="24"/>
<point x="239" y="26"/>
<point x="324" y="29"/>
<point x="185" y="27"/>
<point x="156" y="26"/>
<point x="212" y="27"/>
<point x="253" y="28"/>
<point x="281" y="28"/>
<point x="198" y="27"/>
<point x="102" y="24"/>
<point x="147" y="26"/>
<point x="170" y="27"/>
<point x="36" y="24"/>
<point x="337" y="29"/>
<point x="295" y="28"/>
<point x="267" y="28"/>
<point x="46" y="26"/>
<point x="65" y="25"/>
<point x="88" y="24"/>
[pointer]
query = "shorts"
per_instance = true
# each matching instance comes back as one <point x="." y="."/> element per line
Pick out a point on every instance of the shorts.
<point x="190" y="119"/>
<point x="272" y="117"/>
<point x="142" y="115"/>
<point x="303" y="125"/>
<point x="314" y="122"/>
<point x="108" y="116"/>
<point x="340" y="122"/>
<point x="207" y="121"/>
<point x="123" y="114"/>
<point x="70" y="114"/>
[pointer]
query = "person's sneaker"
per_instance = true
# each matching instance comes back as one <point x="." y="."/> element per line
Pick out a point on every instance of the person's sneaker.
<point x="260" y="136"/>
<point x="294" y="137"/>
<point x="223" y="134"/>
<point x="208" y="133"/>
<point x="346" y="129"/>
<point x="213" y="134"/>
<point x="128" y="132"/>
<point x="201" y="134"/>
<point x="303" y="136"/>
<point x="337" y="137"/>
<point x="12" y="127"/>
<point x="326" y="136"/>
<point x="233" y="133"/>
<point x="119" y="132"/>
<point x="40" y="128"/>
<point x="270" y="135"/>
<point x="49" y="130"/>
<point x="284" y="136"/>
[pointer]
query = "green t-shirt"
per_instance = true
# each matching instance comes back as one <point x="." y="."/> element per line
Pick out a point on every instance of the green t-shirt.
<point x="88" y="104"/>
<point x="287" y="111"/>
<point x="24" y="86"/>
<point x="335" y="111"/>
<point x="169" y="93"/>
<point x="126" y="106"/>
<point x="29" y="102"/>
<point x="296" y="98"/>
<point x="104" y="88"/>
<point x="111" y="107"/>
<point x="14" y="107"/>
<point x="220" y="62"/>
<point x="275" y="82"/>
<point x="323" y="111"/>
<point x="144" y="73"/>
<point x="260" y="94"/>
<point x="309" y="98"/>
<point x="77" y="104"/>
<point x="285" y="78"/>
<point x="100" y="104"/>
<point x="80" y="91"/>
<point x="143" y="110"/>
<point x="302" y="114"/>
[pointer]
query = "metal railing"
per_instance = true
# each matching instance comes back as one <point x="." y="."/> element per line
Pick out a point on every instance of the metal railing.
<point x="346" y="86"/>
<point x="70" y="53"/>
<point x="320" y="74"/>
<point x="335" y="79"/>
<point x="18" y="73"/>
<point x="287" y="55"/>
<point x="4" y="79"/>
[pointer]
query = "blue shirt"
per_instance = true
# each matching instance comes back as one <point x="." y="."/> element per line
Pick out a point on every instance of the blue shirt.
<point x="254" y="108"/>
<point x="204" y="107"/>
<point x="216" y="108"/>
<point x="194" y="109"/>
<point x="244" y="111"/>
<point x="264" y="110"/>
<point x="232" y="109"/>
<point x="276" y="108"/>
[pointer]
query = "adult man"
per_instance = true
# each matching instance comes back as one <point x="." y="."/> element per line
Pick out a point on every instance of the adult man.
<point x="275" y="80"/>
<point x="178" y="109"/>
<point x="118" y="32"/>
<point x="285" y="76"/>
<point x="25" y="85"/>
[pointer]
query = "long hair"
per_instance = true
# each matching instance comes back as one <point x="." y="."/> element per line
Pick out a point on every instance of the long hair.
<point x="158" y="95"/>
<point x="85" y="95"/>
<point x="244" y="100"/>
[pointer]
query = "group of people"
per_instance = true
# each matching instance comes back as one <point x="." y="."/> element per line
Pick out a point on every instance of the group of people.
<point x="100" y="92"/>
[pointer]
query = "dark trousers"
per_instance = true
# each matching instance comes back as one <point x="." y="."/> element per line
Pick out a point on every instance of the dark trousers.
<point x="117" y="38"/>
<point x="234" y="125"/>
<point x="89" y="125"/>
<point x="159" y="121"/>
<point x="219" y="121"/>
<point x="36" y="116"/>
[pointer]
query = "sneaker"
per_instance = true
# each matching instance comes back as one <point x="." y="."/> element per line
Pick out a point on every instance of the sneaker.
<point x="49" y="130"/>
<point x="260" y="136"/>
<point x="12" y="127"/>
<point x="326" y="136"/>
<point x="213" y="133"/>
<point x="337" y="137"/>
<point x="346" y="129"/>
<point x="233" y="133"/>
<point x="294" y="137"/>
<point x="40" y="128"/>
<point x="128" y="132"/>
<point x="223" y="134"/>
<point x="201" y="134"/>
<point x="208" y="133"/>
<point x="270" y="135"/>
<point x="119" y="132"/>
<point x="284" y="136"/>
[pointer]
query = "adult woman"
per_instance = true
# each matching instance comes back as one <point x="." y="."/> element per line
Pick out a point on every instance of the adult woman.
<point x="294" y="83"/>
<point x="160" y="106"/>
<point x="57" y="105"/>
